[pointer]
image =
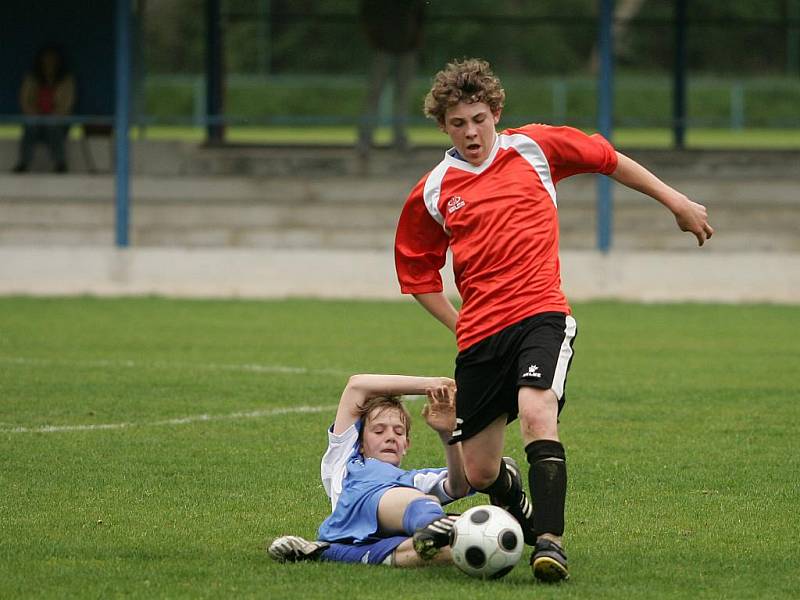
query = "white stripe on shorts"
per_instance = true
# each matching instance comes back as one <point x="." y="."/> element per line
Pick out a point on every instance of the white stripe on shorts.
<point x="564" y="356"/>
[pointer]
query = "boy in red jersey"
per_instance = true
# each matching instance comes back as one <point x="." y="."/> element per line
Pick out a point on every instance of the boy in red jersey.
<point x="492" y="201"/>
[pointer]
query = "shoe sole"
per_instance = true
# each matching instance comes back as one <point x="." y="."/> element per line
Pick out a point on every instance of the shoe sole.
<point x="289" y="549"/>
<point x="549" y="570"/>
<point x="425" y="549"/>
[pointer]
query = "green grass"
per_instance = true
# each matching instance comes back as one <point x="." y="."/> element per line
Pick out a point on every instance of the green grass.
<point x="681" y="432"/>
<point x="429" y="135"/>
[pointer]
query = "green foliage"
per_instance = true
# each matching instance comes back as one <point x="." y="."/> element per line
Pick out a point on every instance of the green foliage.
<point x="547" y="37"/>
<point x="639" y="101"/>
<point x="680" y="430"/>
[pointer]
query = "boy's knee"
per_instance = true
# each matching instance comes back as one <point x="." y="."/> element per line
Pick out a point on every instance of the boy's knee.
<point x="538" y="410"/>
<point x="481" y="474"/>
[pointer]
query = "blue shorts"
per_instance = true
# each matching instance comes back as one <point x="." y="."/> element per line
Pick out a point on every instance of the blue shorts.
<point x="370" y="553"/>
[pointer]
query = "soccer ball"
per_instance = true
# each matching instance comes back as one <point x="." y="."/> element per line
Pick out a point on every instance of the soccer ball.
<point x="487" y="542"/>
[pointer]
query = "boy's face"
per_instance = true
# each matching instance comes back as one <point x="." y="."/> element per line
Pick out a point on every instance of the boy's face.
<point x="385" y="436"/>
<point x="471" y="129"/>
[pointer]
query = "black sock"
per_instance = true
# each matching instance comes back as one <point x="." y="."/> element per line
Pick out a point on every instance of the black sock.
<point x="502" y="490"/>
<point x="547" y="478"/>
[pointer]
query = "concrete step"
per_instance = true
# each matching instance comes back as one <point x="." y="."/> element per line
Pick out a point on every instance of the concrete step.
<point x="361" y="212"/>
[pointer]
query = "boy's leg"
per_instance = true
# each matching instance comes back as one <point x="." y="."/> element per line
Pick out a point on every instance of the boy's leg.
<point x="544" y="357"/>
<point x="547" y="478"/>
<point x="499" y="477"/>
<point x="483" y="453"/>
<point x="410" y="512"/>
<point x="291" y="548"/>
<point x="405" y="555"/>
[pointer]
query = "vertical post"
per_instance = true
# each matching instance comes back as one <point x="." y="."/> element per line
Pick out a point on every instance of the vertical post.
<point x="140" y="70"/>
<point x="605" y="118"/>
<point x="214" y="127"/>
<point x="122" y="118"/>
<point x="263" y="37"/>
<point x="792" y="14"/>
<point x="679" y="78"/>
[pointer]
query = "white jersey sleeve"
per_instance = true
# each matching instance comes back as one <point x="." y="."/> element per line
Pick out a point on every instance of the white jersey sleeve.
<point x="431" y="481"/>
<point x="334" y="461"/>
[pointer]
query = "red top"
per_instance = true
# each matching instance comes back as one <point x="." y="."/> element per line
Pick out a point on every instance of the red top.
<point x="46" y="99"/>
<point x="500" y="221"/>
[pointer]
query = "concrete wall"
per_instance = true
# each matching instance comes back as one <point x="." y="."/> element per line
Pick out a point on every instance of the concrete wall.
<point x="275" y="222"/>
<point x="272" y="273"/>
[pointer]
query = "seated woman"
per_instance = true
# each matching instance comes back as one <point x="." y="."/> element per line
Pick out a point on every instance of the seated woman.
<point x="381" y="513"/>
<point x="47" y="90"/>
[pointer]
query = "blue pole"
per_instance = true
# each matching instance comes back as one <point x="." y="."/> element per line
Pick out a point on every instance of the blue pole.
<point x="605" y="116"/>
<point x="121" y="118"/>
<point x="215" y="131"/>
<point x="679" y="78"/>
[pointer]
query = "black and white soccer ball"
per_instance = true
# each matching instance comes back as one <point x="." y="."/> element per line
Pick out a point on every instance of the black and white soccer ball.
<point x="487" y="542"/>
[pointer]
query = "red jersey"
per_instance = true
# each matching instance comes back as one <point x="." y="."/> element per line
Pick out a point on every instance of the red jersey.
<point x="500" y="221"/>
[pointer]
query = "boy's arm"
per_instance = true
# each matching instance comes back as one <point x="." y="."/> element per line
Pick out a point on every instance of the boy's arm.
<point x="440" y="307"/>
<point x="361" y="388"/>
<point x="690" y="216"/>
<point x="440" y="414"/>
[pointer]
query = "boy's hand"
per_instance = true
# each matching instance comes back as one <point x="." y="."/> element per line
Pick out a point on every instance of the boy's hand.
<point x="693" y="217"/>
<point x="440" y="411"/>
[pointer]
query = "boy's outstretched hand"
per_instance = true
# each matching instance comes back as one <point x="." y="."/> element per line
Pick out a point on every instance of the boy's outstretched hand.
<point x="693" y="217"/>
<point x="440" y="411"/>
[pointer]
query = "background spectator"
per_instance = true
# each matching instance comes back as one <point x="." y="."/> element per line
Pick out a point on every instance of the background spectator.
<point x="47" y="90"/>
<point x="394" y="30"/>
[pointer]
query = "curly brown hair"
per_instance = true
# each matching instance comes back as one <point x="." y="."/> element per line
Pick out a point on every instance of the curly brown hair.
<point x="470" y="80"/>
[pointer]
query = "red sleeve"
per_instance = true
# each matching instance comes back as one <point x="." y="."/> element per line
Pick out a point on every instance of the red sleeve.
<point x="420" y="247"/>
<point x="570" y="151"/>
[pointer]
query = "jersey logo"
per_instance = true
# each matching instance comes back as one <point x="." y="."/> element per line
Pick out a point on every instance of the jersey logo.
<point x="533" y="371"/>
<point x="454" y="204"/>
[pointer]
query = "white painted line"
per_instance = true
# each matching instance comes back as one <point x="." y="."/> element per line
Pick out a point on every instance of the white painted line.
<point x="130" y="364"/>
<point x="253" y="414"/>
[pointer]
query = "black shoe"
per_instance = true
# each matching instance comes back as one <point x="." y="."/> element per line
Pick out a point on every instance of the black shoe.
<point x="20" y="168"/>
<point x="60" y="168"/>
<point x="292" y="548"/>
<point x="522" y="510"/>
<point x="433" y="537"/>
<point x="548" y="562"/>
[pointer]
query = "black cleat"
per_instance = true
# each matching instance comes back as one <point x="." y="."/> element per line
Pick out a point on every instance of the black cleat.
<point x="548" y="562"/>
<point x="522" y="510"/>
<point x="433" y="537"/>
<point x="293" y="548"/>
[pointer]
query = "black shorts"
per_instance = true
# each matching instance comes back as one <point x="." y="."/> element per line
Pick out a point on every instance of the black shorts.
<point x="535" y="352"/>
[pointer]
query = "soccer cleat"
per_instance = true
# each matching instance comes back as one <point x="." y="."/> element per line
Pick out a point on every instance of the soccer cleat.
<point x="522" y="510"/>
<point x="292" y="548"/>
<point x="548" y="562"/>
<point x="433" y="537"/>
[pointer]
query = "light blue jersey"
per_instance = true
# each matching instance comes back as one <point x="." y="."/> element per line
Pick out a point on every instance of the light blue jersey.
<point x="356" y="485"/>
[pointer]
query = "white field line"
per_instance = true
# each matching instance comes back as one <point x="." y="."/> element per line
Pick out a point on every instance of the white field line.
<point x="131" y="364"/>
<point x="253" y="368"/>
<point x="253" y="414"/>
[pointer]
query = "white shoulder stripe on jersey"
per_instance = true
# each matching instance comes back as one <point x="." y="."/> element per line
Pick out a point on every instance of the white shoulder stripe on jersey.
<point x="430" y="195"/>
<point x="532" y="152"/>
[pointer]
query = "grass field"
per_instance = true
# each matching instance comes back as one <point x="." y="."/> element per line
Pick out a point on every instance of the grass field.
<point x="429" y="135"/>
<point x="149" y="447"/>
